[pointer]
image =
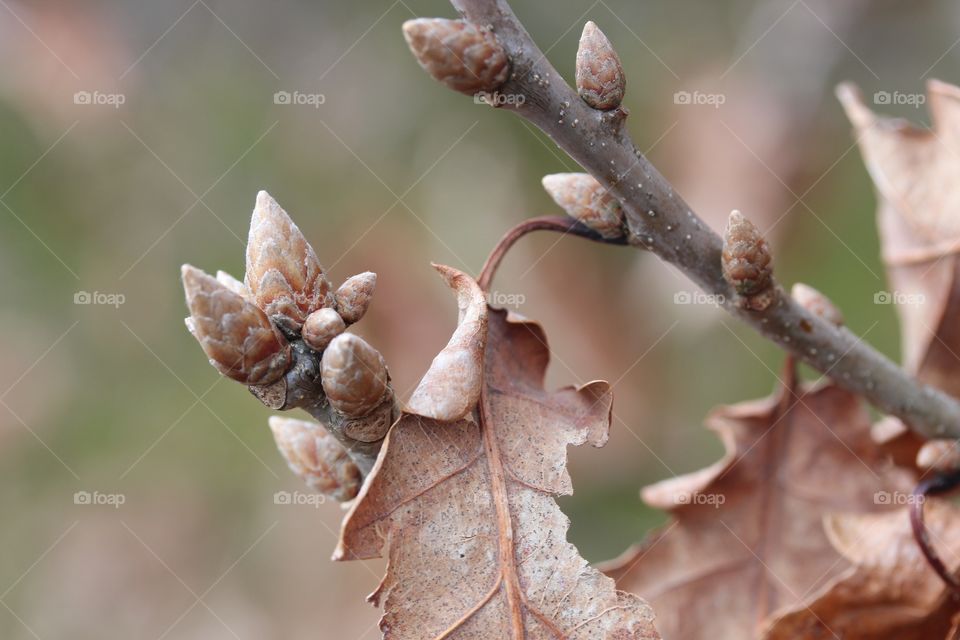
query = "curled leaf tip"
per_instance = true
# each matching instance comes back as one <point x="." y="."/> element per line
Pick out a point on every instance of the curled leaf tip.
<point x="451" y="387"/>
<point x="851" y="99"/>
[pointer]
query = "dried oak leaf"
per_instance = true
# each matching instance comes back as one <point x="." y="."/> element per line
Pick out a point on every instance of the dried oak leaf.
<point x="746" y="539"/>
<point x="889" y="591"/>
<point x="915" y="172"/>
<point x="464" y="506"/>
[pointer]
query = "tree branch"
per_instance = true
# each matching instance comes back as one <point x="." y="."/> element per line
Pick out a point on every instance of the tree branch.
<point x="659" y="220"/>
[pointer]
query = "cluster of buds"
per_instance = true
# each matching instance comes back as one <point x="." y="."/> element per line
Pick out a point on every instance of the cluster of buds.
<point x="281" y="332"/>
<point x="746" y="262"/>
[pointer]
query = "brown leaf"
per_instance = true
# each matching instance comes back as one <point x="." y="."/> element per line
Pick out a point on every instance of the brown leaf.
<point x="915" y="174"/>
<point x="477" y="545"/>
<point x="890" y="591"/>
<point x="746" y="538"/>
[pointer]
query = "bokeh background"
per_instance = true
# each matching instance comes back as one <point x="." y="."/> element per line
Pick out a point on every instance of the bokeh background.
<point x="389" y="173"/>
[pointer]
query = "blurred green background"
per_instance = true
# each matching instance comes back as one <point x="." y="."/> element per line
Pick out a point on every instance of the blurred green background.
<point x="389" y="173"/>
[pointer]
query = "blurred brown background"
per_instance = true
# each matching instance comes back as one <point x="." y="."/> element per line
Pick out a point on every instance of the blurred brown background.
<point x="135" y="136"/>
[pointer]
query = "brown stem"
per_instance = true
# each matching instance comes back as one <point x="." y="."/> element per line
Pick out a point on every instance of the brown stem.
<point x="560" y="224"/>
<point x="658" y="219"/>
<point x="933" y="486"/>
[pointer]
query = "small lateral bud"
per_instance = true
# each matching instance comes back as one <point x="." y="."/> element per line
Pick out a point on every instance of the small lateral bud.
<point x="816" y="303"/>
<point x="354" y="295"/>
<point x="316" y="457"/>
<point x="237" y="337"/>
<point x="354" y="375"/>
<point x="322" y="326"/>
<point x="746" y="257"/>
<point x="939" y="455"/>
<point x="458" y="54"/>
<point x="583" y="198"/>
<point x="283" y="272"/>
<point x="600" y="79"/>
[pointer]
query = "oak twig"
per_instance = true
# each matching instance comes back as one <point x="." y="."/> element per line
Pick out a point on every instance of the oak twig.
<point x="659" y="220"/>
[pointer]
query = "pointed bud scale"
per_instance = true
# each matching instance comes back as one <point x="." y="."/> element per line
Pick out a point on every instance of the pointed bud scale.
<point x="283" y="272"/>
<point x="321" y="327"/>
<point x="939" y="455"/>
<point x="746" y="256"/>
<point x="354" y="375"/>
<point x="583" y="198"/>
<point x="600" y="79"/>
<point x="458" y="54"/>
<point x="237" y="336"/>
<point x="354" y="295"/>
<point x="816" y="303"/>
<point x="316" y="457"/>
<point x="233" y="284"/>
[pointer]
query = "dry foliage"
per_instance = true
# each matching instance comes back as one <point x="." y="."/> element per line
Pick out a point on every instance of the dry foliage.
<point x="798" y="532"/>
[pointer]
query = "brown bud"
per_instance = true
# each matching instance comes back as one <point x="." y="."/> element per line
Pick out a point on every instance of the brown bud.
<point x="354" y="295"/>
<point x="237" y="336"/>
<point x="746" y="256"/>
<point x="600" y="79"/>
<point x="234" y="285"/>
<point x="583" y="198"/>
<point x="316" y="457"/>
<point x="816" y="303"/>
<point x="283" y="272"/>
<point x="458" y="54"/>
<point x="322" y="326"/>
<point x="354" y="375"/>
<point x="939" y="455"/>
